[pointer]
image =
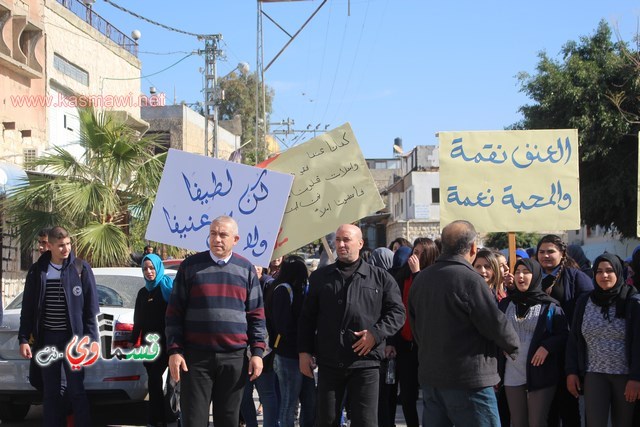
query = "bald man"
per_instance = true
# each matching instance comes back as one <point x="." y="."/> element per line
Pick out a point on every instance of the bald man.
<point x="215" y="312"/>
<point x="459" y="330"/>
<point x="351" y="309"/>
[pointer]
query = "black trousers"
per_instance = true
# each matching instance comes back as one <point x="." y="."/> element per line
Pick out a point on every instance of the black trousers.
<point x="54" y="407"/>
<point x="217" y="377"/>
<point x="387" y="399"/>
<point x="360" y="384"/>
<point x="564" y="407"/>
<point x="156" y="412"/>
<point x="407" y="374"/>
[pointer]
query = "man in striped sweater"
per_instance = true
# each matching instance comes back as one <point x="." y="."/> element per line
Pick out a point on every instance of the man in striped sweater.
<point x="214" y="313"/>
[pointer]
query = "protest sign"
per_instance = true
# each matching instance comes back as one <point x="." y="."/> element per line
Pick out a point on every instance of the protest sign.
<point x="195" y="189"/>
<point x="332" y="186"/>
<point x="511" y="180"/>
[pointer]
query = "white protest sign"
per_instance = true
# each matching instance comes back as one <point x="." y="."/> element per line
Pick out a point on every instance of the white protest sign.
<point x="195" y="189"/>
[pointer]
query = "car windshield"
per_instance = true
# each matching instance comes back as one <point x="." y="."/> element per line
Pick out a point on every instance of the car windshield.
<point x="113" y="291"/>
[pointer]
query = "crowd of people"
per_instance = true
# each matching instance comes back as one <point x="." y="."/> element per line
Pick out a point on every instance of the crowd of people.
<point x="486" y="344"/>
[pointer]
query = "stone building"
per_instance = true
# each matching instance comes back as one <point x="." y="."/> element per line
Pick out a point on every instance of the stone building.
<point x="414" y="196"/>
<point x="180" y="127"/>
<point x="56" y="56"/>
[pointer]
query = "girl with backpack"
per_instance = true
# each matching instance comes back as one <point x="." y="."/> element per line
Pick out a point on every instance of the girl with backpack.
<point x="284" y="300"/>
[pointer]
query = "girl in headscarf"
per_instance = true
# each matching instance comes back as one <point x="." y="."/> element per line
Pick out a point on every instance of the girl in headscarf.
<point x="604" y="347"/>
<point x="148" y="318"/>
<point x="382" y="257"/>
<point x="530" y="380"/>
<point x="564" y="281"/>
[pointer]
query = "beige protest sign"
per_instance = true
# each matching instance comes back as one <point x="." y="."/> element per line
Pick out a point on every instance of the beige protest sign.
<point x="332" y="186"/>
<point x="511" y="180"/>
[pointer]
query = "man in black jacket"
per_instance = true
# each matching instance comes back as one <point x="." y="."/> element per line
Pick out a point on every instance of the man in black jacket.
<point x="351" y="308"/>
<point x="459" y="329"/>
<point x="60" y="301"/>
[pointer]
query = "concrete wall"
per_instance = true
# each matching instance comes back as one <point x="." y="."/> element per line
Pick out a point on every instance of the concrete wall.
<point x="413" y="229"/>
<point x="113" y="72"/>
<point x="186" y="129"/>
<point x="22" y="84"/>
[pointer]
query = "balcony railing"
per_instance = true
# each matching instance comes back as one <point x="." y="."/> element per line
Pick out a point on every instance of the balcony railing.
<point x="88" y="15"/>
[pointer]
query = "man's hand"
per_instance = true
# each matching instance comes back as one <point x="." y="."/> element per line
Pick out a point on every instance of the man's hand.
<point x="390" y="352"/>
<point x="573" y="385"/>
<point x="255" y="367"/>
<point x="25" y="351"/>
<point x="364" y="345"/>
<point x="632" y="391"/>
<point x="177" y="363"/>
<point x="307" y="364"/>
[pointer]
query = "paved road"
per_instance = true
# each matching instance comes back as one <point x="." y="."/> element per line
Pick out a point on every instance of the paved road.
<point x="127" y="415"/>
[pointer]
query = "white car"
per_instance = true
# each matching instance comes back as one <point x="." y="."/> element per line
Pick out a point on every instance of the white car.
<point x="108" y="380"/>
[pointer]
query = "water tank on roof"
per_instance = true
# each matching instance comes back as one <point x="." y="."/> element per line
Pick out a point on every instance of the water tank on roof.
<point x="397" y="146"/>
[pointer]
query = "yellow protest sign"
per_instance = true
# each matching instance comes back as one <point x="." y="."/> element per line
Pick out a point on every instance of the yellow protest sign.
<point x="332" y="185"/>
<point x="511" y="180"/>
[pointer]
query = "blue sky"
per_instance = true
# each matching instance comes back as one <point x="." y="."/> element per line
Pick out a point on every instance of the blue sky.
<point x="393" y="68"/>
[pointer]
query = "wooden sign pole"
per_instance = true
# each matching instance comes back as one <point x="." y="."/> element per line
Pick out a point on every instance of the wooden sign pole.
<point x="328" y="250"/>
<point x="512" y="251"/>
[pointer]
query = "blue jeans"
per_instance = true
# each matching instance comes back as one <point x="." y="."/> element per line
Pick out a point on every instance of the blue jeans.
<point x="293" y="387"/>
<point x="463" y="408"/>
<point x="266" y="385"/>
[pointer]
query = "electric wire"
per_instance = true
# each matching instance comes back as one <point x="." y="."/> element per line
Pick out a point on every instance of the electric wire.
<point x="86" y="37"/>
<point x="369" y="58"/>
<point x="353" y="64"/>
<point x="152" y="74"/>
<point x="166" y="27"/>
<point x="324" y="53"/>
<point x="335" y="74"/>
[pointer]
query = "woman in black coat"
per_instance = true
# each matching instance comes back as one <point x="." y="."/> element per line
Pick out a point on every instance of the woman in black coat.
<point x="148" y="319"/>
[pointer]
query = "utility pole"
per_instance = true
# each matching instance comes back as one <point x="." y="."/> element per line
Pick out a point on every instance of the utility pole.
<point x="211" y="52"/>
<point x="289" y="130"/>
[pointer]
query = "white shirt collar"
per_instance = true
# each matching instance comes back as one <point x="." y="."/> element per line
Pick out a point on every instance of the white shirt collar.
<point x="216" y="259"/>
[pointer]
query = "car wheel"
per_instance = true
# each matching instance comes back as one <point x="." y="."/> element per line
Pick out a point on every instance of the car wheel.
<point x="13" y="411"/>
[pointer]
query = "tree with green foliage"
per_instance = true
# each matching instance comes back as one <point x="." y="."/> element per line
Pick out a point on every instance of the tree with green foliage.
<point x="94" y="196"/>
<point x="240" y="99"/>
<point x="596" y="79"/>
<point x="501" y="240"/>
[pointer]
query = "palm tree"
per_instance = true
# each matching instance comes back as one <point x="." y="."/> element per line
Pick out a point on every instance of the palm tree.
<point x="94" y="196"/>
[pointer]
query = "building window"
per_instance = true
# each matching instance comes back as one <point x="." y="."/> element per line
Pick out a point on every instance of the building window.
<point x="435" y="195"/>
<point x="410" y="198"/>
<point x="29" y="155"/>
<point x="71" y="70"/>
